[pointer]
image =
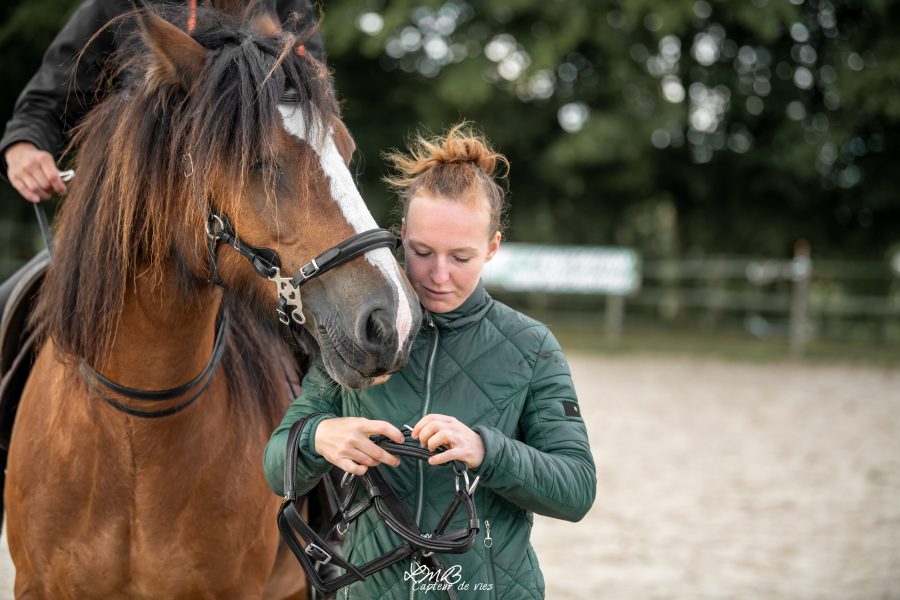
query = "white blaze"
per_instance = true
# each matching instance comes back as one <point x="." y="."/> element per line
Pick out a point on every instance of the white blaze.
<point x="344" y="192"/>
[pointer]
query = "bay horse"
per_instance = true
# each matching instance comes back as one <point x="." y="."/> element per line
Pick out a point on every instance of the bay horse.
<point x="195" y="157"/>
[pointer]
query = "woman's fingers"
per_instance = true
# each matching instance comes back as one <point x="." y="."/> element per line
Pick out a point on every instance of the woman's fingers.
<point x="442" y="437"/>
<point x="461" y="442"/>
<point x="379" y="454"/>
<point x="343" y="440"/>
<point x="427" y="420"/>
<point x="351" y="467"/>
<point x="431" y="424"/>
<point x="361" y="458"/>
<point x="384" y="428"/>
<point x="448" y="455"/>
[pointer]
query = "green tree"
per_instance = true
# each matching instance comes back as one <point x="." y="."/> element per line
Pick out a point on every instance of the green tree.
<point x="689" y="126"/>
<point x="676" y="127"/>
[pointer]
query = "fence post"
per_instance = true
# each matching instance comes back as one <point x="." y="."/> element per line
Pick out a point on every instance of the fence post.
<point x="615" y="314"/>
<point x="718" y="288"/>
<point x="800" y="272"/>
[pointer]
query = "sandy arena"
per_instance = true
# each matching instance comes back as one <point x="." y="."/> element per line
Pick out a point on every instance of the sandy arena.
<point x="728" y="480"/>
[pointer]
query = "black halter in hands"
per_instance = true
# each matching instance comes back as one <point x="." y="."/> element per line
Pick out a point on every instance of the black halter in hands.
<point x="267" y="264"/>
<point x="380" y="495"/>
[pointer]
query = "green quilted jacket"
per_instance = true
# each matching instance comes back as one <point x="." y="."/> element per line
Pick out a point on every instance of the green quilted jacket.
<point x="504" y="375"/>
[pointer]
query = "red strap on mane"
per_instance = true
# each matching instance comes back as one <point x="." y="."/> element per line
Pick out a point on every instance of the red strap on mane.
<point x="192" y="16"/>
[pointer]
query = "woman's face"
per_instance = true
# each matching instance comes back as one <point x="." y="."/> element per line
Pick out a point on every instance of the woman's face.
<point x="446" y="244"/>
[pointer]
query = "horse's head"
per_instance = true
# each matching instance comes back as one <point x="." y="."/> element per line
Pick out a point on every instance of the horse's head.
<point x="248" y="131"/>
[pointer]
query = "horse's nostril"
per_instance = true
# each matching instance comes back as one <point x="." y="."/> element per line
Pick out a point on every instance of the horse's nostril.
<point x="377" y="330"/>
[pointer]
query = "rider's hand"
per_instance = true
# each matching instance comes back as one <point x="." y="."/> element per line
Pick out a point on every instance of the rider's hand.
<point x="345" y="443"/>
<point x="463" y="444"/>
<point x="380" y="379"/>
<point x="33" y="172"/>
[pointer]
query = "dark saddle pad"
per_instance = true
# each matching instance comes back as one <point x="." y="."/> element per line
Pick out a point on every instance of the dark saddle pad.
<point x="17" y="340"/>
<point x="17" y="345"/>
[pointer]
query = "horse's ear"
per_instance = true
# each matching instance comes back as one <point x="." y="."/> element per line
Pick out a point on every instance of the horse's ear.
<point x="179" y="58"/>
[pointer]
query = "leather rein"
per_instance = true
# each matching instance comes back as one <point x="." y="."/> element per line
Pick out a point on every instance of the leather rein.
<point x="380" y="495"/>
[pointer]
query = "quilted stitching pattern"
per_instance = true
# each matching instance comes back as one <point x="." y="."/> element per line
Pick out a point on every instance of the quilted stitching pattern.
<point x="521" y="401"/>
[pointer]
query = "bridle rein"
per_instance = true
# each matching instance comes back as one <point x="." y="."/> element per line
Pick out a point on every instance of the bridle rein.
<point x="380" y="495"/>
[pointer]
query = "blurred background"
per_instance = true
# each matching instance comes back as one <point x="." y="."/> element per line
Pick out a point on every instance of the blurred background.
<point x="710" y="138"/>
<point x="730" y="167"/>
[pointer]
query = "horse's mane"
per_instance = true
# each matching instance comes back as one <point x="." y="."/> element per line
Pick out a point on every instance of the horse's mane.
<point x="148" y="159"/>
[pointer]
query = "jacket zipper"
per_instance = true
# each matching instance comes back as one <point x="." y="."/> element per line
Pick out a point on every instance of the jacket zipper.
<point x="420" y="466"/>
<point x="488" y="543"/>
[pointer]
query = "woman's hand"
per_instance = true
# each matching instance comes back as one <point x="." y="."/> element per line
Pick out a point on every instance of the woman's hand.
<point x="345" y="443"/>
<point x="462" y="443"/>
<point x="32" y="172"/>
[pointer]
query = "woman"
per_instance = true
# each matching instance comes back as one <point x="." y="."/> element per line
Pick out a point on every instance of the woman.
<point x="487" y="382"/>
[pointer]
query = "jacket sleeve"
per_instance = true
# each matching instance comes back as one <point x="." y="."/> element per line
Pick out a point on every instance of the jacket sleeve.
<point x="550" y="471"/>
<point x="57" y="96"/>
<point x="319" y="394"/>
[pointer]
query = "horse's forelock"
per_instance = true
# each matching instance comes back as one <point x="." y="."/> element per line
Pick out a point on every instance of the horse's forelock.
<point x="149" y="158"/>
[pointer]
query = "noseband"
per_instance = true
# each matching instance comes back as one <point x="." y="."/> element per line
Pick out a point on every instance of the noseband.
<point x="381" y="496"/>
<point x="267" y="263"/>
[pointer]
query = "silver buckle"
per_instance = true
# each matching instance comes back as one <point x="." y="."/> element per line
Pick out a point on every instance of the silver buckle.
<point x="291" y="295"/>
<point x="315" y="269"/>
<point x="311" y="547"/>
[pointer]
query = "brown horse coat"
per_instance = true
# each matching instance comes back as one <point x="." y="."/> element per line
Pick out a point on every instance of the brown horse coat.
<point x="103" y="504"/>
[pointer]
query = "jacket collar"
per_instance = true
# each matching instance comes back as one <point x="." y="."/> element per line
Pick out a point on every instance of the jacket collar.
<point x="468" y="313"/>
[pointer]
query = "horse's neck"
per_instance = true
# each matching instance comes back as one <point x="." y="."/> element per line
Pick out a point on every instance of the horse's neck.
<point x="164" y="338"/>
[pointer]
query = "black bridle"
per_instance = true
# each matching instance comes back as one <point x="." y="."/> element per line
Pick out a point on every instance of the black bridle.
<point x="381" y="496"/>
<point x="267" y="263"/>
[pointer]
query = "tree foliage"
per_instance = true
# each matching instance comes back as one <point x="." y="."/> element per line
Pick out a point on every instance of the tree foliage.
<point x="680" y="127"/>
<point x="677" y="127"/>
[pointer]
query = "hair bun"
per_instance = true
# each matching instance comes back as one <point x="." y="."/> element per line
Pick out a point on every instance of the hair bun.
<point x="458" y="166"/>
<point x="460" y="145"/>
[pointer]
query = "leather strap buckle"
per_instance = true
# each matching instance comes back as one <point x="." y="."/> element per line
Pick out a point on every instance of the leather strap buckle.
<point x="315" y="552"/>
